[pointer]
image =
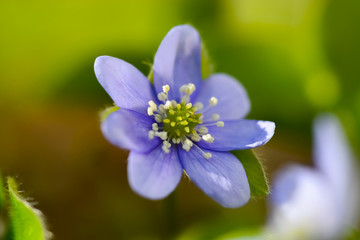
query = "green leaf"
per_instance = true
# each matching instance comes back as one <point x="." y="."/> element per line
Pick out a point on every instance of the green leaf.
<point x="26" y="222"/>
<point x="255" y="172"/>
<point x="206" y="65"/>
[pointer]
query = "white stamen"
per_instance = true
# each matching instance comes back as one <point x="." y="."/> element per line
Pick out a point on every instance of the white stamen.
<point x="183" y="88"/>
<point x="185" y="98"/>
<point x="151" y="134"/>
<point x="166" y="88"/>
<point x="187" y="144"/>
<point x="190" y="89"/>
<point x="158" y="118"/>
<point x="203" y="130"/>
<point x="206" y="155"/>
<point x="155" y="127"/>
<point x="208" y="138"/>
<point x="162" y="135"/>
<point x="167" y="104"/>
<point x="173" y="103"/>
<point x="213" y="101"/>
<point x="215" y="117"/>
<point x="195" y="138"/>
<point x="165" y="148"/>
<point x="220" y="124"/>
<point x="150" y="111"/>
<point x="199" y="106"/>
<point x="152" y="104"/>
<point x="162" y="96"/>
<point x="161" y="108"/>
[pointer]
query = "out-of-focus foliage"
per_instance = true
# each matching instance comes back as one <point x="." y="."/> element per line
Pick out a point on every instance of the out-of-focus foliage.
<point x="294" y="57"/>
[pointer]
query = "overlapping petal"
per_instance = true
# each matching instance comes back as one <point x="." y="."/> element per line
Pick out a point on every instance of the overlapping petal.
<point x="239" y="135"/>
<point x="302" y="203"/>
<point x="129" y="129"/>
<point x="156" y="174"/>
<point x="222" y="177"/>
<point x="334" y="158"/>
<point x="177" y="61"/>
<point x="126" y="85"/>
<point x="233" y="101"/>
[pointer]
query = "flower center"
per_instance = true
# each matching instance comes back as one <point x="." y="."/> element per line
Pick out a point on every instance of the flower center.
<point x="181" y="122"/>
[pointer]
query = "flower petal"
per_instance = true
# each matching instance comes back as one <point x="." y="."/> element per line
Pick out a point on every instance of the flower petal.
<point x="233" y="100"/>
<point x="239" y="135"/>
<point x="335" y="159"/>
<point x="129" y="129"/>
<point x="156" y="174"/>
<point x="177" y="61"/>
<point x="126" y="85"/>
<point x="222" y="176"/>
<point x="302" y="201"/>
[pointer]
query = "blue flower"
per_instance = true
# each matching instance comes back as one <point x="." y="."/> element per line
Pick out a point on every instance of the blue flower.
<point x="180" y="123"/>
<point x="321" y="202"/>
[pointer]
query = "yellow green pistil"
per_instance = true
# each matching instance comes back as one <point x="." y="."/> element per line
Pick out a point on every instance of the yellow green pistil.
<point x="177" y="123"/>
<point x="181" y="120"/>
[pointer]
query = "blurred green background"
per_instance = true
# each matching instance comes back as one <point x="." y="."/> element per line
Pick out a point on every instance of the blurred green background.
<point x="296" y="58"/>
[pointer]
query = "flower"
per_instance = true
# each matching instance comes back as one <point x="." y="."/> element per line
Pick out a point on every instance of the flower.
<point x="181" y="122"/>
<point x="320" y="203"/>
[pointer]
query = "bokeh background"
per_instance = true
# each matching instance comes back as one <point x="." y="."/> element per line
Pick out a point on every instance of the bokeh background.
<point x="296" y="58"/>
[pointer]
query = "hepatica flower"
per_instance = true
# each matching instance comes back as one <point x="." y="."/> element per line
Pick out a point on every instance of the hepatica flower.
<point x="181" y="122"/>
<point x="318" y="203"/>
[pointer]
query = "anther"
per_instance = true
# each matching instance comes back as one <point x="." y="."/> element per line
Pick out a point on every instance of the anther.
<point x="207" y="155"/>
<point x="150" y="111"/>
<point x="215" y="117"/>
<point x="152" y="105"/>
<point x="220" y="124"/>
<point x="195" y="138"/>
<point x="190" y="89"/>
<point x="162" y="96"/>
<point x="158" y="118"/>
<point x="161" y="108"/>
<point x="203" y="130"/>
<point x="151" y="134"/>
<point x="155" y="127"/>
<point x="213" y="101"/>
<point x="199" y="106"/>
<point x="166" y="88"/>
<point x="162" y="135"/>
<point x="167" y="104"/>
<point x="187" y="144"/>
<point x="208" y="138"/>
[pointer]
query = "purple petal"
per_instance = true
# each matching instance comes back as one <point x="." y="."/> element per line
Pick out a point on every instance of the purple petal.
<point x="302" y="201"/>
<point x="334" y="158"/>
<point x="177" y="61"/>
<point x="222" y="176"/>
<point x="129" y="129"/>
<point x="239" y="135"/>
<point x="233" y="101"/>
<point x="126" y="85"/>
<point x="156" y="174"/>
